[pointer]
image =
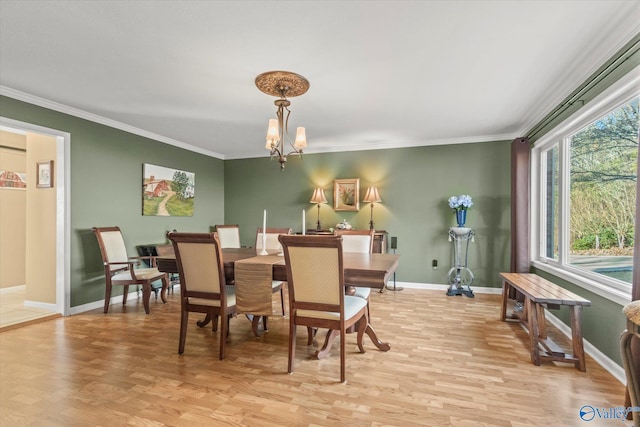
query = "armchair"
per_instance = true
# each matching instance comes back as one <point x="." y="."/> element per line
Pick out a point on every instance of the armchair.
<point x="119" y="269"/>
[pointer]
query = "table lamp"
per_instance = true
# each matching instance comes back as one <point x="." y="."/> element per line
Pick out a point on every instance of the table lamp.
<point x="318" y="198"/>
<point x="372" y="196"/>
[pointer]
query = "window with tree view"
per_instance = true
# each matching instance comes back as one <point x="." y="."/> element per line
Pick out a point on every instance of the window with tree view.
<point x="602" y="185"/>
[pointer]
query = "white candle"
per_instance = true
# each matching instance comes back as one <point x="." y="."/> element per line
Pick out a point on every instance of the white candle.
<point x="264" y="229"/>
<point x="303" y="223"/>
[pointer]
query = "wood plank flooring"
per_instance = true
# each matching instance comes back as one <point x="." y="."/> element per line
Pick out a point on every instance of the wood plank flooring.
<point x="452" y="362"/>
<point x="13" y="312"/>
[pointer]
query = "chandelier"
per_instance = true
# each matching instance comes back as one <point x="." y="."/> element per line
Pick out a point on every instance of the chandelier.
<point x="283" y="84"/>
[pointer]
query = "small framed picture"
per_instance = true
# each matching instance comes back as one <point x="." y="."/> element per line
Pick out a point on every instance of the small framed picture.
<point x="346" y="194"/>
<point x="44" y="174"/>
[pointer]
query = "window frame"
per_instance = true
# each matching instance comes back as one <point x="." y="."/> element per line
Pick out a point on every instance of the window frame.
<point x="621" y="92"/>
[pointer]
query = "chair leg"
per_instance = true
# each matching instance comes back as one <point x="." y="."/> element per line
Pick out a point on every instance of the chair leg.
<point x="125" y="294"/>
<point x="107" y="298"/>
<point x="282" y="299"/>
<point x="184" y="319"/>
<point x="343" y="337"/>
<point x="146" y="296"/>
<point x="311" y="334"/>
<point x="292" y="343"/>
<point x="224" y="325"/>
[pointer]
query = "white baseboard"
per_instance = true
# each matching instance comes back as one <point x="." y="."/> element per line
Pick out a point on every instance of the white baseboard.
<point x="19" y="288"/>
<point x="42" y="305"/>
<point x="434" y="287"/>
<point x="99" y="304"/>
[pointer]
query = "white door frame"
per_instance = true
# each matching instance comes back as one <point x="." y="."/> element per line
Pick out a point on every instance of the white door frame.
<point x="63" y="217"/>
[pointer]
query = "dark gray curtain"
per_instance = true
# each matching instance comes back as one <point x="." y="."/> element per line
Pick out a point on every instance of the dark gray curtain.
<point x="520" y="177"/>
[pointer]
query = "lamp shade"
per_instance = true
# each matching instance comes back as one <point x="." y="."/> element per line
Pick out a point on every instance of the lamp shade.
<point x="273" y="136"/>
<point x="301" y="138"/>
<point x="318" y="196"/>
<point x="372" y="195"/>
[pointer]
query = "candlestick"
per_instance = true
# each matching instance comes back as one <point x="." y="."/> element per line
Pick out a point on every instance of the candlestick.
<point x="264" y="234"/>
<point x="303" y="224"/>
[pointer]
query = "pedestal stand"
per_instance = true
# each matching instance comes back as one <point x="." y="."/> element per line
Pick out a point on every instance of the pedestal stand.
<point x="459" y="275"/>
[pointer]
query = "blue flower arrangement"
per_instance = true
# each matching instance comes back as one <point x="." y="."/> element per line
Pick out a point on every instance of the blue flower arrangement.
<point x="460" y="203"/>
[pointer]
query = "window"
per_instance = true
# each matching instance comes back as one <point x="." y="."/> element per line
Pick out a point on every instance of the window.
<point x="584" y="180"/>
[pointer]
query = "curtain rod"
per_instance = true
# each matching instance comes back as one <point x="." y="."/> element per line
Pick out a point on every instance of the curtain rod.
<point x="627" y="52"/>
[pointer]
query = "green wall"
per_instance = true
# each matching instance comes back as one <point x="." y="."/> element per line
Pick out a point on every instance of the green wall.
<point x="106" y="189"/>
<point x="414" y="185"/>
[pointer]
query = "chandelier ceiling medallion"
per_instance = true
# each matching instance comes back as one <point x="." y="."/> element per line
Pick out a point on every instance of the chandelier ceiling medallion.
<point x="283" y="84"/>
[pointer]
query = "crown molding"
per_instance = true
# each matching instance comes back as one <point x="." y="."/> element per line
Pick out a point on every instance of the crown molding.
<point x="61" y="108"/>
<point x="389" y="145"/>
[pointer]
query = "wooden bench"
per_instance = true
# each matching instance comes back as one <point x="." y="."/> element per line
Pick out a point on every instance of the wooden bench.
<point x="538" y="294"/>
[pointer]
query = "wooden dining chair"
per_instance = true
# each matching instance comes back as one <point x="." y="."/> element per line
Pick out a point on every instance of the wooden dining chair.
<point x="229" y="235"/>
<point x="120" y="269"/>
<point x="358" y="241"/>
<point x="315" y="277"/>
<point x="273" y="244"/>
<point x="202" y="284"/>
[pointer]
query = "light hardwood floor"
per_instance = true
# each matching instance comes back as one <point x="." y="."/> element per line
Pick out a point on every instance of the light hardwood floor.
<point x="452" y="362"/>
<point x="13" y="312"/>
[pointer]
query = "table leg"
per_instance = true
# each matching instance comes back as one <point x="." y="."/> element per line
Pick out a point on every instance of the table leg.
<point x="255" y="321"/>
<point x="382" y="346"/>
<point x="204" y="322"/>
<point x="328" y="342"/>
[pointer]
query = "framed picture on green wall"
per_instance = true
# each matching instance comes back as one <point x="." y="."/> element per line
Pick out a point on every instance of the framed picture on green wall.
<point x="346" y="194"/>
<point x="167" y="191"/>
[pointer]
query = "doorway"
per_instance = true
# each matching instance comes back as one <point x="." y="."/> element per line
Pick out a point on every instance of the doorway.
<point x="59" y="303"/>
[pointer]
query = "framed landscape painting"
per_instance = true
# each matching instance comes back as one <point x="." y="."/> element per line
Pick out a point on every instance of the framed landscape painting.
<point x="346" y="194"/>
<point x="167" y="191"/>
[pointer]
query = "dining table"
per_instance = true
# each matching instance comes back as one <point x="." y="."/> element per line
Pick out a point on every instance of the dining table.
<point x="371" y="270"/>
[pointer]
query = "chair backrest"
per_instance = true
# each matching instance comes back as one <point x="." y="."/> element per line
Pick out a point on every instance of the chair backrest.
<point x="200" y="265"/>
<point x="356" y="240"/>
<point x="272" y="238"/>
<point x="315" y="272"/>
<point x="112" y="246"/>
<point x="165" y="250"/>
<point x="229" y="235"/>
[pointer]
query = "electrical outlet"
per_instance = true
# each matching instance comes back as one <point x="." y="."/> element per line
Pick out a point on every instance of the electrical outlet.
<point x="434" y="264"/>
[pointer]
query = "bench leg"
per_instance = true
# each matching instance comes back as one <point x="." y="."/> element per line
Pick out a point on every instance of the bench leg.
<point x="532" y="321"/>
<point x="505" y="297"/>
<point x="542" y="324"/>
<point x="576" y="337"/>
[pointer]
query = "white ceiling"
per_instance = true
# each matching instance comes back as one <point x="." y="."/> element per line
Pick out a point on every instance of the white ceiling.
<point x="383" y="73"/>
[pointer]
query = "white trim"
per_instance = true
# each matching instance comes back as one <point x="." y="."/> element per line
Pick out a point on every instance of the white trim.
<point x="436" y="287"/>
<point x="51" y="105"/>
<point x="617" y="94"/>
<point x="42" y="305"/>
<point x="609" y="292"/>
<point x="63" y="206"/>
<point x="19" y="288"/>
<point x="100" y="304"/>
<point x="319" y="148"/>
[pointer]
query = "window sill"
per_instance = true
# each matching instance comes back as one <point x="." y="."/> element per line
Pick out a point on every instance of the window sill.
<point x="612" y="294"/>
